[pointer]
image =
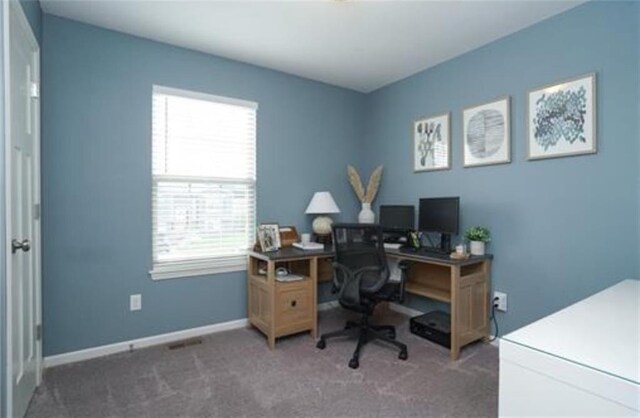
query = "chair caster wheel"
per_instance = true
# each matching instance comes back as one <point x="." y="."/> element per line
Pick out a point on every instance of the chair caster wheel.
<point x="322" y="344"/>
<point x="354" y="363"/>
<point x="403" y="355"/>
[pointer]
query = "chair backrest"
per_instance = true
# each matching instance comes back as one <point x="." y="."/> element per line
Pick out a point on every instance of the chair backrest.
<point x="361" y="245"/>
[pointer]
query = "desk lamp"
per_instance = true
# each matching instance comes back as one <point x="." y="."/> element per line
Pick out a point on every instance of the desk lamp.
<point x="322" y="203"/>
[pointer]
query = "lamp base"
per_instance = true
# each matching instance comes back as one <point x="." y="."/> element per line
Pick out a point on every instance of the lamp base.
<point x="322" y="225"/>
<point x="323" y="239"/>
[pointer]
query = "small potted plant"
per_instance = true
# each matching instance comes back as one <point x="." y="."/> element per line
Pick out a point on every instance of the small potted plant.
<point x="478" y="236"/>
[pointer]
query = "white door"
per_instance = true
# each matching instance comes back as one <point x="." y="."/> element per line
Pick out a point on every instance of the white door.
<point x="23" y="285"/>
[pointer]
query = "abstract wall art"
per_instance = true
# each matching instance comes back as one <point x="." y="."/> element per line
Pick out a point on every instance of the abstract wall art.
<point x="561" y="119"/>
<point x="432" y="143"/>
<point x="486" y="133"/>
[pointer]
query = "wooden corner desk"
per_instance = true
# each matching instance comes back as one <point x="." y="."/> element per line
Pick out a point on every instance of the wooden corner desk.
<point x="283" y="308"/>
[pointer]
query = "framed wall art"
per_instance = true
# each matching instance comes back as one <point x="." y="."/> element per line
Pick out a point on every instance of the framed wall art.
<point x="486" y="133"/>
<point x="432" y="143"/>
<point x="561" y="119"/>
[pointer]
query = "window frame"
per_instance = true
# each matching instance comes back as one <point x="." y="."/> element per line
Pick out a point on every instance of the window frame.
<point x="205" y="266"/>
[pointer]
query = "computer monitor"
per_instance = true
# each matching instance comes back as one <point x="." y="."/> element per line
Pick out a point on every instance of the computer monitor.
<point x="397" y="218"/>
<point x="440" y="215"/>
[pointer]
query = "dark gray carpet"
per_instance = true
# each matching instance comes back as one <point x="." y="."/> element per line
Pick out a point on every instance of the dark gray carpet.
<point x="234" y="374"/>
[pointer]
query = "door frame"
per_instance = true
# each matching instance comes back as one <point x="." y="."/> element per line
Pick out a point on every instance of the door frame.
<point x="13" y="8"/>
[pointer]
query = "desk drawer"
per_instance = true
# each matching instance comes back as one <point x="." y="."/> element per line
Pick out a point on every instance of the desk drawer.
<point x="293" y="303"/>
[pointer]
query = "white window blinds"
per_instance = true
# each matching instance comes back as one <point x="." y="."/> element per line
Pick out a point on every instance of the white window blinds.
<point x="204" y="181"/>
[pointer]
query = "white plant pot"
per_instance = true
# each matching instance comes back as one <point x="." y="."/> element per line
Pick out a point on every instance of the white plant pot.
<point x="366" y="215"/>
<point x="477" y="248"/>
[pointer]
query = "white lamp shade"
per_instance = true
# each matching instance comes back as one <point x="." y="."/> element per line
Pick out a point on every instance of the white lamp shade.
<point x="322" y="203"/>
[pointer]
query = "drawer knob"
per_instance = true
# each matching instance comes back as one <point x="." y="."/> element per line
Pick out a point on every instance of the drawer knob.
<point x="293" y="303"/>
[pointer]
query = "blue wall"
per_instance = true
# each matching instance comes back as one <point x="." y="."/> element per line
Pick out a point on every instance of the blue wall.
<point x="96" y="173"/>
<point x="33" y="12"/>
<point x="563" y="228"/>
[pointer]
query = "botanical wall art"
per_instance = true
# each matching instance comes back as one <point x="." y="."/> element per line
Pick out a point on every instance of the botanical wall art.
<point x="486" y="134"/>
<point x="432" y="144"/>
<point x="561" y="119"/>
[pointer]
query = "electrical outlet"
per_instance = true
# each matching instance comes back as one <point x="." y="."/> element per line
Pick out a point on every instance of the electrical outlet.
<point x="500" y="301"/>
<point x="135" y="302"/>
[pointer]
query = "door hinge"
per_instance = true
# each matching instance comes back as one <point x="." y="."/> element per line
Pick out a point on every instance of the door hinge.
<point x="36" y="211"/>
<point x="39" y="332"/>
<point x="35" y="90"/>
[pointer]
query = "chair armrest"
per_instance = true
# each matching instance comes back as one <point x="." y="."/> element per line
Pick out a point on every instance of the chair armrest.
<point x="372" y="286"/>
<point x="347" y="271"/>
<point x="347" y="284"/>
<point x="339" y="269"/>
<point x="349" y="287"/>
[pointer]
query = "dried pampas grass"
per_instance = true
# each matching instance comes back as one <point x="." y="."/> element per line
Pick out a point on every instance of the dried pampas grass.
<point x="356" y="183"/>
<point x="372" y="187"/>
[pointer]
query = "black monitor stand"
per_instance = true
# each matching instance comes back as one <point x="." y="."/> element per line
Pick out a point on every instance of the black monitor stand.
<point x="445" y="243"/>
<point x="443" y="248"/>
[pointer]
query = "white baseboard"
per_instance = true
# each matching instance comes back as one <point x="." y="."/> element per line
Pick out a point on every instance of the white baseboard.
<point x="393" y="306"/>
<point x="328" y="305"/>
<point x="105" y="350"/>
<point x="404" y="309"/>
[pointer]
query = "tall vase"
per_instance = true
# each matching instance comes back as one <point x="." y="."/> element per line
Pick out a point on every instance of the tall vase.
<point x="366" y="215"/>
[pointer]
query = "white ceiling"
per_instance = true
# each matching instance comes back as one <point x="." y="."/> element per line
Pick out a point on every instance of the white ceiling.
<point x="361" y="45"/>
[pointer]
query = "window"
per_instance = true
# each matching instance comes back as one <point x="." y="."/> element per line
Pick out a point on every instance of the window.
<point x="204" y="183"/>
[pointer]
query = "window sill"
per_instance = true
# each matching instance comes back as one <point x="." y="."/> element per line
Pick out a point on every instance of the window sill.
<point x="184" y="270"/>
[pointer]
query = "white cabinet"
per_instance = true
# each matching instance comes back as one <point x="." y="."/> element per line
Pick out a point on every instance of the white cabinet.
<point x="581" y="361"/>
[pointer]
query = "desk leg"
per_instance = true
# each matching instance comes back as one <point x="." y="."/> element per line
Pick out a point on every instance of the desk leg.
<point x="313" y="268"/>
<point x="271" y="277"/>
<point x="455" y="313"/>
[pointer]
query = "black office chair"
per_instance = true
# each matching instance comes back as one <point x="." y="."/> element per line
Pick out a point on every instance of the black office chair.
<point x="361" y="279"/>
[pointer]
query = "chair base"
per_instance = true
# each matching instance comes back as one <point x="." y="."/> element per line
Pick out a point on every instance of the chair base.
<point x="365" y="333"/>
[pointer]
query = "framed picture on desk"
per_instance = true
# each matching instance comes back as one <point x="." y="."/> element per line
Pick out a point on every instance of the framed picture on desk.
<point x="269" y="237"/>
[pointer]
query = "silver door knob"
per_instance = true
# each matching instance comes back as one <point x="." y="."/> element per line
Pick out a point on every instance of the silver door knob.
<point x="16" y="245"/>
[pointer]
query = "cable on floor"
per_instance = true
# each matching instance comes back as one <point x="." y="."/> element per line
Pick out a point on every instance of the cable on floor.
<point x="494" y="319"/>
